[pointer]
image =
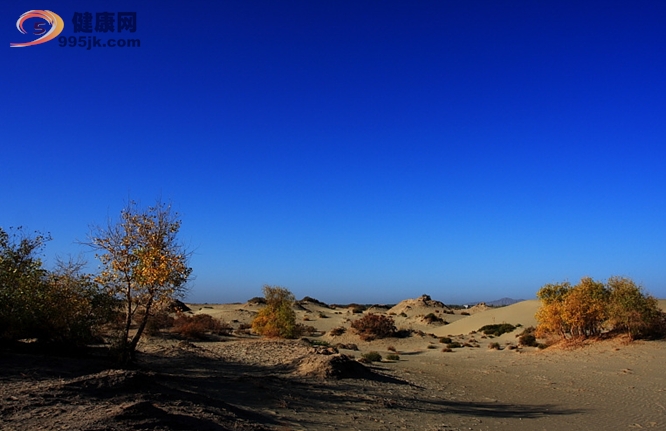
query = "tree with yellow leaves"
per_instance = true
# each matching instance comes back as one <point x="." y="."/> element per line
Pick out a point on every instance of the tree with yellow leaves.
<point x="277" y="319"/>
<point x="143" y="264"/>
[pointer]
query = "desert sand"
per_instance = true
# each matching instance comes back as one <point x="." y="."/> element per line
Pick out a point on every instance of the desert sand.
<point x="245" y="382"/>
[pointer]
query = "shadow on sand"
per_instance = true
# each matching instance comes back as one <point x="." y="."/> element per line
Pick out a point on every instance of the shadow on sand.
<point x="197" y="392"/>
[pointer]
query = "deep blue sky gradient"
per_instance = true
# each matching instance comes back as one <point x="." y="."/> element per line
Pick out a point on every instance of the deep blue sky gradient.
<point x="358" y="151"/>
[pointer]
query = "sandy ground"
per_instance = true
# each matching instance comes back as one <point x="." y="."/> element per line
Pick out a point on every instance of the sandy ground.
<point x="244" y="382"/>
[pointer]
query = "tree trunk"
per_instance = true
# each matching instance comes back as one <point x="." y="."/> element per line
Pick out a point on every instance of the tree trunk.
<point x="135" y="340"/>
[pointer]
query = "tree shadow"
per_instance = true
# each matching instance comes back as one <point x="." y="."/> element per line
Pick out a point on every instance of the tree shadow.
<point x="191" y="391"/>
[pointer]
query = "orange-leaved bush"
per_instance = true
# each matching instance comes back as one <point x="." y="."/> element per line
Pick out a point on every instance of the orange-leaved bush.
<point x="373" y="326"/>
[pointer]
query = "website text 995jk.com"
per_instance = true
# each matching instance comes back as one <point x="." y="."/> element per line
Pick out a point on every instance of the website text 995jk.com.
<point x="89" y="42"/>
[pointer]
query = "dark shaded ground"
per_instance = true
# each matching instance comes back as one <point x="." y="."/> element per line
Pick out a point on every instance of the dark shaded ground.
<point x="189" y="387"/>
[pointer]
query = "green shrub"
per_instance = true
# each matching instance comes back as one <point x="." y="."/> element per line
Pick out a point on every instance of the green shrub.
<point x="63" y="306"/>
<point x="372" y="326"/>
<point x="497" y="329"/>
<point x="393" y="357"/>
<point x="372" y="357"/>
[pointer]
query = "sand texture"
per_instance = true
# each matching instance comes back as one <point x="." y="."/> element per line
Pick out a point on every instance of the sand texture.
<point x="242" y="382"/>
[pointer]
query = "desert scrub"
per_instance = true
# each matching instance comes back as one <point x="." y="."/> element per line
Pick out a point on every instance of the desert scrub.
<point x="454" y="345"/>
<point x="198" y="326"/>
<point x="445" y="340"/>
<point x="447" y="350"/>
<point x="433" y="318"/>
<point x="494" y="346"/>
<point x="391" y="349"/>
<point x="431" y="346"/>
<point x="371" y="357"/>
<point x="337" y="331"/>
<point x="497" y="329"/>
<point x="528" y="337"/>
<point x="373" y="326"/>
<point x="322" y="343"/>
<point x="392" y="357"/>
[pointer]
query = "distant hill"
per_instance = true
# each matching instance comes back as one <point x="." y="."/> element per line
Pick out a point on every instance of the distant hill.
<point x="503" y="302"/>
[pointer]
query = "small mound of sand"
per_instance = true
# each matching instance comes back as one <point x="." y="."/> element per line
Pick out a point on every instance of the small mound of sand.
<point x="419" y="306"/>
<point x="257" y="300"/>
<point x="309" y="300"/>
<point x="330" y="366"/>
<point x="481" y="306"/>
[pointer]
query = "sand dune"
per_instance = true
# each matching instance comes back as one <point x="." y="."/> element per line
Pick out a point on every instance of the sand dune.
<point x="248" y="383"/>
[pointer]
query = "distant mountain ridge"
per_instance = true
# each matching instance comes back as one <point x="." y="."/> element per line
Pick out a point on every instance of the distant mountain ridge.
<point x="503" y="302"/>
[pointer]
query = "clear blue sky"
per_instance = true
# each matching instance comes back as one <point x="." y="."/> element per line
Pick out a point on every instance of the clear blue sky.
<point x="363" y="151"/>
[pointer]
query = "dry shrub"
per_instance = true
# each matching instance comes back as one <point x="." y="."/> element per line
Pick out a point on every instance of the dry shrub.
<point x="307" y="330"/>
<point x="393" y="357"/>
<point x="528" y="337"/>
<point x="198" y="326"/>
<point x="337" y="331"/>
<point x="494" y="346"/>
<point x="158" y="322"/>
<point x="373" y="326"/>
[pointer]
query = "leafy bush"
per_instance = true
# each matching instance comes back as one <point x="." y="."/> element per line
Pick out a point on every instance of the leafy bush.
<point x="588" y="308"/>
<point x="497" y="329"/>
<point x="372" y="357"/>
<point x="64" y="306"/>
<point x="632" y="311"/>
<point x="277" y="318"/>
<point x="372" y="326"/>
